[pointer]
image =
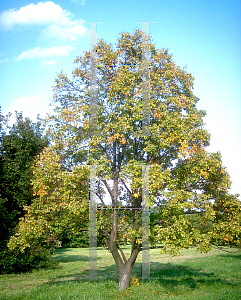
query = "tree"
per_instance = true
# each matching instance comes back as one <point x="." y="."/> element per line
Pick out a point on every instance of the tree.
<point x="19" y="146"/>
<point x="184" y="179"/>
<point x="59" y="209"/>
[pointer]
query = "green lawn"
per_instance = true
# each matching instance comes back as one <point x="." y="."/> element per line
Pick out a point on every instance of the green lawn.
<point x="192" y="275"/>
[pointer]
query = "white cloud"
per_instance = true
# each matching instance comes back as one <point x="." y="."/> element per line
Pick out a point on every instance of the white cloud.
<point x="26" y="101"/>
<point x="82" y="2"/>
<point x="64" y="32"/>
<point x="57" y="22"/>
<point x="30" y="106"/>
<point x="2" y="61"/>
<point x="48" y="62"/>
<point x="41" y="52"/>
<point x="39" y="14"/>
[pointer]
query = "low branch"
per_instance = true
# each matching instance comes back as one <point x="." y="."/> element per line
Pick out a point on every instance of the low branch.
<point x="108" y="188"/>
<point x="158" y="222"/>
<point x="135" y="225"/>
<point x="105" y="211"/>
<point x="122" y="253"/>
<point x="125" y="186"/>
<point x="107" y="245"/>
<point x="220" y="248"/>
<point x="98" y="195"/>
<point x="104" y="231"/>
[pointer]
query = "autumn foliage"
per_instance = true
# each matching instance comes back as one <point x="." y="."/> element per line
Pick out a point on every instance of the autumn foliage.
<point x="60" y="208"/>
<point x="188" y="186"/>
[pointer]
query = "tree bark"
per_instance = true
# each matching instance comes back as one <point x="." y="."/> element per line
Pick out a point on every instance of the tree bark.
<point x="125" y="270"/>
<point x="124" y="277"/>
<point x="124" y="266"/>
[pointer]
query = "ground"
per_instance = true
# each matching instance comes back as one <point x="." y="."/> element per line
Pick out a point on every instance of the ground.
<point x="192" y="275"/>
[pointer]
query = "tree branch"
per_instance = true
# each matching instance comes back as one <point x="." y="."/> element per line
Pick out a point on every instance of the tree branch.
<point x="114" y="156"/>
<point x="125" y="186"/>
<point x="105" y="211"/>
<point x="135" y="225"/>
<point x="121" y="156"/>
<point x="107" y="233"/>
<point x="107" y="154"/>
<point x="220" y="248"/>
<point x="107" y="245"/>
<point x="122" y="253"/>
<point x="108" y="188"/>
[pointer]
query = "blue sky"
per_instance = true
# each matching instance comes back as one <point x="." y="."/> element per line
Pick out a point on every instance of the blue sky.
<point x="39" y="39"/>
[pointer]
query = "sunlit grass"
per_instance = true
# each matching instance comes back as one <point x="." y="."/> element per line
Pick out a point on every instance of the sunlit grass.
<point x="192" y="275"/>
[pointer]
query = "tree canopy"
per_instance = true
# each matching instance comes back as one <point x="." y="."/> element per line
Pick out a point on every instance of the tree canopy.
<point x="19" y="146"/>
<point x="184" y="179"/>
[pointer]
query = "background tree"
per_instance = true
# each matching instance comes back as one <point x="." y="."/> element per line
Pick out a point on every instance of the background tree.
<point x="184" y="179"/>
<point x="19" y="146"/>
<point x="60" y="208"/>
<point x="6" y="220"/>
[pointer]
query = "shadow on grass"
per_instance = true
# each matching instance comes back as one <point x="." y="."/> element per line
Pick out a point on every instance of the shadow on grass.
<point x="71" y="258"/>
<point x="236" y="255"/>
<point x="64" y="257"/>
<point x="169" y="276"/>
<point x="173" y="275"/>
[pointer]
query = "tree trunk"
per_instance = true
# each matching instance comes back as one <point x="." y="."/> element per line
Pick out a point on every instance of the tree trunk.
<point x="124" y="266"/>
<point x="124" y="277"/>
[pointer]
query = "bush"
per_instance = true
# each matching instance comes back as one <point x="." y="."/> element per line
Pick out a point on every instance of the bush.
<point x="16" y="262"/>
<point x="79" y="239"/>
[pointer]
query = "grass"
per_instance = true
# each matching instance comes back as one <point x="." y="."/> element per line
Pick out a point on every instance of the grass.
<point x="192" y="275"/>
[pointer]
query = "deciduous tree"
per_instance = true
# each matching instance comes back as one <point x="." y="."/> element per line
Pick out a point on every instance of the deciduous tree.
<point x="19" y="146"/>
<point x="59" y="209"/>
<point x="184" y="179"/>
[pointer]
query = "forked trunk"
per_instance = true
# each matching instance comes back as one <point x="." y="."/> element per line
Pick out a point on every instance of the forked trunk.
<point x="124" y="266"/>
<point x="124" y="277"/>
